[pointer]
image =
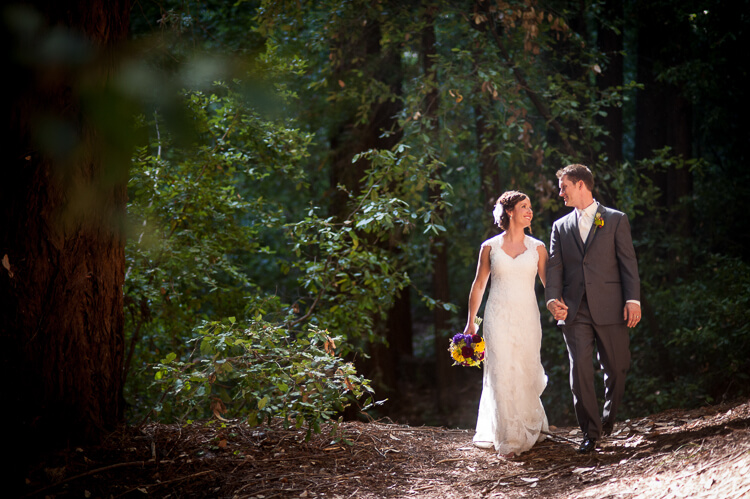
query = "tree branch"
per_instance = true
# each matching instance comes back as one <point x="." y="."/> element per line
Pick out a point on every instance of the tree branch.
<point x="535" y="99"/>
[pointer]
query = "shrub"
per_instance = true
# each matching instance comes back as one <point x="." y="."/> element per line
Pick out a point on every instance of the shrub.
<point x="260" y="371"/>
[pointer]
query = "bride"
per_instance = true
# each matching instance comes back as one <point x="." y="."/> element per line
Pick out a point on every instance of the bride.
<point x="511" y="416"/>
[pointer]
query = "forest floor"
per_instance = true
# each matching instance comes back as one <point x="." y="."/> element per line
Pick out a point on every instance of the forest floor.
<point x="677" y="453"/>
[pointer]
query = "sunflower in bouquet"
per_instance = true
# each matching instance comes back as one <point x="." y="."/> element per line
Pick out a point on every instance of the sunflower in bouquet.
<point x="467" y="349"/>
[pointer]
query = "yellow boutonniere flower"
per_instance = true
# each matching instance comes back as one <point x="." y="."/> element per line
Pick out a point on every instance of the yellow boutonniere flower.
<point x="598" y="221"/>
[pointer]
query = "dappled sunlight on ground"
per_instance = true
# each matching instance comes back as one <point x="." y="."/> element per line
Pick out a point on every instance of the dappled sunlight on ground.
<point x="698" y="453"/>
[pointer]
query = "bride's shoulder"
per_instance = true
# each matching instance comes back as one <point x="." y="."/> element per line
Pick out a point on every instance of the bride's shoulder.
<point x="532" y="242"/>
<point x="493" y="241"/>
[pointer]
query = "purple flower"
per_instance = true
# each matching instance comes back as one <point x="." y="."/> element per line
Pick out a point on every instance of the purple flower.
<point x="457" y="338"/>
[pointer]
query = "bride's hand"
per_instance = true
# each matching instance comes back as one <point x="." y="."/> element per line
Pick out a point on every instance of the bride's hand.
<point x="470" y="328"/>
<point x="559" y="309"/>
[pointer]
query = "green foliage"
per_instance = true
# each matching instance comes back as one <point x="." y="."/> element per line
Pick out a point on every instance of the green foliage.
<point x="258" y="216"/>
<point x="260" y="371"/>
<point x="348" y="284"/>
<point x="203" y="224"/>
<point x="703" y="318"/>
<point x="221" y="228"/>
<point x="693" y="345"/>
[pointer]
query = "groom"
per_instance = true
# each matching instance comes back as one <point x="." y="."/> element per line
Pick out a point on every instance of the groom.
<point x="593" y="290"/>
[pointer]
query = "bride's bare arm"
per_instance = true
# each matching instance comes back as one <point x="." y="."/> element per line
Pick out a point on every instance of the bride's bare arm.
<point x="542" y="266"/>
<point x="477" y="288"/>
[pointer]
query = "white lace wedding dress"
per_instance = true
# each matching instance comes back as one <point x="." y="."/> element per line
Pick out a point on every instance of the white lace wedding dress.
<point x="511" y="414"/>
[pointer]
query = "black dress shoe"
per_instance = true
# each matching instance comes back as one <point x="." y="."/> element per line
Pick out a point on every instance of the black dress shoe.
<point x="587" y="445"/>
<point x="607" y="428"/>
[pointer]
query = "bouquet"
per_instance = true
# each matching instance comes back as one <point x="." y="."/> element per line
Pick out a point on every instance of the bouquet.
<point x="467" y="349"/>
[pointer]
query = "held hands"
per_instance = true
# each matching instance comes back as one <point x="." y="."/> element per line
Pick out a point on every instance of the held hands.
<point x="559" y="309"/>
<point x="632" y="314"/>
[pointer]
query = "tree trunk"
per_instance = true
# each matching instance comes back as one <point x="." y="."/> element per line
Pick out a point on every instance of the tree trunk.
<point x="445" y="398"/>
<point x="663" y="115"/>
<point x="662" y="119"/>
<point x="611" y="44"/>
<point x="383" y="64"/>
<point x="489" y="170"/>
<point x="62" y="206"/>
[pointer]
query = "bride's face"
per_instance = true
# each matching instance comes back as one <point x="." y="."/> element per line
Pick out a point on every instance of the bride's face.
<point x="522" y="212"/>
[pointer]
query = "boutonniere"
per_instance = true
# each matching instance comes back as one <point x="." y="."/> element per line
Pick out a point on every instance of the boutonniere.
<point x="598" y="221"/>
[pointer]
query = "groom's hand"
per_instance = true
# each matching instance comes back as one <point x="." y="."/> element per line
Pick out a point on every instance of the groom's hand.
<point x="559" y="309"/>
<point x="632" y="314"/>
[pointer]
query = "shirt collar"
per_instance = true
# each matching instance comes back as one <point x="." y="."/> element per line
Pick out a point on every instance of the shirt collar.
<point x="590" y="210"/>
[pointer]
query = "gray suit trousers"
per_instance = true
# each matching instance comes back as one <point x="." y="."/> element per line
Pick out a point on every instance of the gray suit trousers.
<point x="613" y="352"/>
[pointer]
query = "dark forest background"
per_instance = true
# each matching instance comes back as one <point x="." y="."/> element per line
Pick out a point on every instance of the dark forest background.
<point x="261" y="209"/>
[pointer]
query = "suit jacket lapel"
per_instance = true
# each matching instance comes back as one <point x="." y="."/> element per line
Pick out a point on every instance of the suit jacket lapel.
<point x="594" y="229"/>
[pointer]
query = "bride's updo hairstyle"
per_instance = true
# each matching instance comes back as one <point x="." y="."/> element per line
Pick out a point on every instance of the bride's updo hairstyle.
<point x="506" y="203"/>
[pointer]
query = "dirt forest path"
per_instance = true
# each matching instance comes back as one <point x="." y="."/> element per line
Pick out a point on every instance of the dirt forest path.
<point x="697" y="453"/>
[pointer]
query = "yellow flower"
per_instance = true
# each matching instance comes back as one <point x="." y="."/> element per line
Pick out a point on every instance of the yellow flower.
<point x="456" y="354"/>
<point x="479" y="347"/>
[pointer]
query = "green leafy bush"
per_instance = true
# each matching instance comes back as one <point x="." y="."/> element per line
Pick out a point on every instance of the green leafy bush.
<point x="702" y="320"/>
<point x="693" y="345"/>
<point x="259" y="371"/>
<point x="226" y="227"/>
<point x="204" y="226"/>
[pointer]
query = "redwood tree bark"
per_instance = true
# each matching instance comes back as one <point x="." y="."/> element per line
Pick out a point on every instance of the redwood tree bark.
<point x="62" y="205"/>
<point x="445" y="396"/>
<point x="611" y="43"/>
<point x="663" y="114"/>
<point x="663" y="118"/>
<point x="489" y="171"/>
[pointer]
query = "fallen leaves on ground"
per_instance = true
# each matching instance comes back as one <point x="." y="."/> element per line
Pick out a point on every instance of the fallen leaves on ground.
<point x="702" y="453"/>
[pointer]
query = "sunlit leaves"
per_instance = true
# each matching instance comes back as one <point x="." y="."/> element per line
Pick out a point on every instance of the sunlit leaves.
<point x="203" y="218"/>
<point x="350" y="283"/>
<point x="258" y="371"/>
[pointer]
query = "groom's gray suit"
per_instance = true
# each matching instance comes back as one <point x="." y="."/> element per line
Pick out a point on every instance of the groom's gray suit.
<point x="595" y="278"/>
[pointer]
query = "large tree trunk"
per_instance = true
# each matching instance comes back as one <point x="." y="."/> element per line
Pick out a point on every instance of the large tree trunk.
<point x="611" y="44"/>
<point x="663" y="118"/>
<point x="62" y="205"/>
<point x="663" y="114"/>
<point x="445" y="397"/>
<point x="383" y="64"/>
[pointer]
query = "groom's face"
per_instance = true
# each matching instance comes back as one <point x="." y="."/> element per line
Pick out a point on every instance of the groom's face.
<point x="571" y="193"/>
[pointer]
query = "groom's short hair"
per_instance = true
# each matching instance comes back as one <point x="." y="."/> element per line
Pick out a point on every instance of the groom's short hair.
<point x="576" y="173"/>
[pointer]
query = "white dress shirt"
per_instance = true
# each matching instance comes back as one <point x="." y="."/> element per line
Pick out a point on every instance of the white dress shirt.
<point x="586" y="219"/>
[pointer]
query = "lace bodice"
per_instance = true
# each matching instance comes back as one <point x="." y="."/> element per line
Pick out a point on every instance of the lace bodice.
<point x="513" y="279"/>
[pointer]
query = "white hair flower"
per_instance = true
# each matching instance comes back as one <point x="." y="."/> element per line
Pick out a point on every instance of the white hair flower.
<point x="498" y="213"/>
